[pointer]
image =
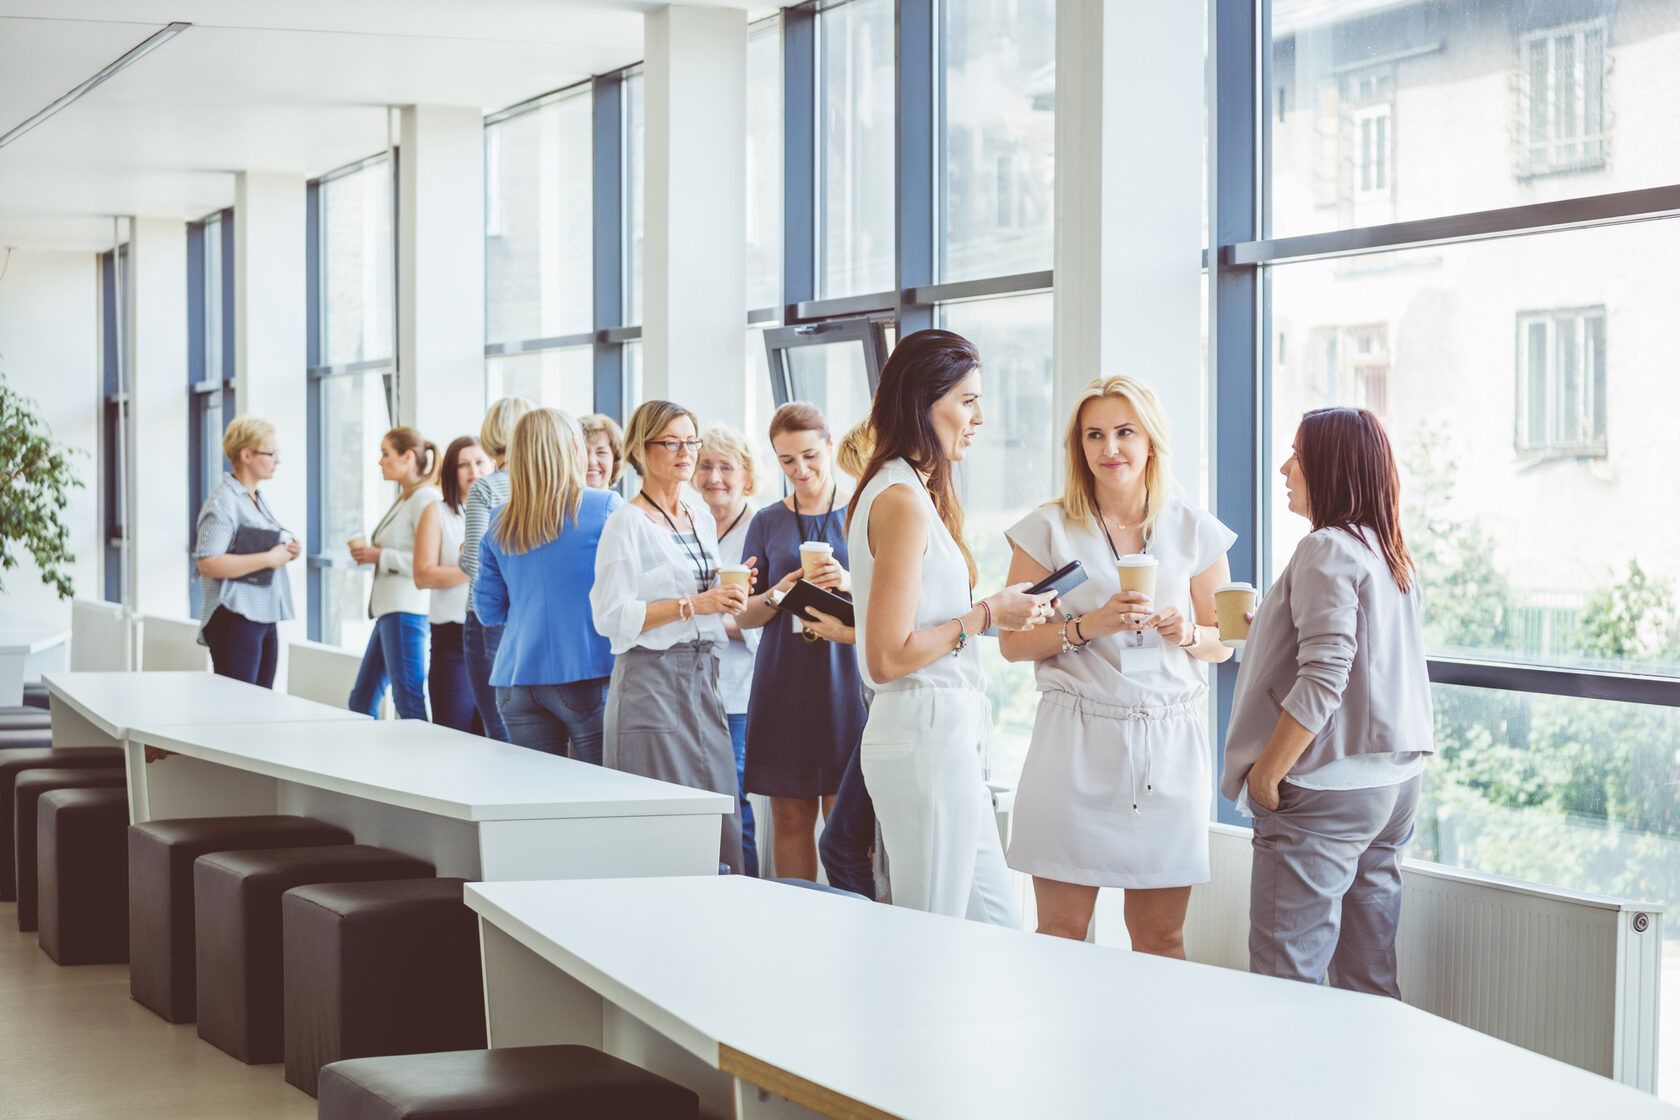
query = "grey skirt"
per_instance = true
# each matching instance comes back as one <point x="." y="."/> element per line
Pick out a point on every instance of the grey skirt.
<point x="665" y="720"/>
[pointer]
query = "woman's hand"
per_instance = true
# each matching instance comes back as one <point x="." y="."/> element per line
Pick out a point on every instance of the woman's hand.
<point x="365" y="553"/>
<point x="1263" y="788"/>
<point x="830" y="576"/>
<point x="788" y="581"/>
<point x="1171" y="625"/>
<point x="1014" y="609"/>
<point x="280" y="555"/>
<point x="1124" y="611"/>
<point x="830" y="628"/>
<point x="730" y="599"/>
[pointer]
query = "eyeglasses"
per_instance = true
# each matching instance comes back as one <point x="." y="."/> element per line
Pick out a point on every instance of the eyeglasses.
<point x="275" y="455"/>
<point x="676" y="445"/>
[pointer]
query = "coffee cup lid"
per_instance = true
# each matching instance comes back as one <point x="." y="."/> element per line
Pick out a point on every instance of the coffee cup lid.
<point x="1137" y="560"/>
<point x="733" y="568"/>
<point x="816" y="546"/>
<point x="1234" y="587"/>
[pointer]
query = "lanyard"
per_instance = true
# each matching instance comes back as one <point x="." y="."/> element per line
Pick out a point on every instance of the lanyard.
<point x="1102" y="523"/>
<point x="820" y="532"/>
<point x="733" y="523"/>
<point x="702" y="578"/>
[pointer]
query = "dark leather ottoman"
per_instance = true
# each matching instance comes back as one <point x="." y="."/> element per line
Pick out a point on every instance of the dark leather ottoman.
<point x="82" y="856"/>
<point x="236" y="902"/>
<point x="161" y="943"/>
<point x="31" y="786"/>
<point x="14" y="762"/>
<point x="26" y="738"/>
<point x="25" y="718"/>
<point x="511" y="1083"/>
<point x="35" y="695"/>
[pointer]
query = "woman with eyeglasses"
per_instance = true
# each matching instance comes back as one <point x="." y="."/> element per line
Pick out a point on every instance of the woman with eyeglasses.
<point x="243" y="588"/>
<point x="658" y="600"/>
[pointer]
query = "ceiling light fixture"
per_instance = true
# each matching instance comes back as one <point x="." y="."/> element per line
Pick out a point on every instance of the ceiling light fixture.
<point x="143" y="48"/>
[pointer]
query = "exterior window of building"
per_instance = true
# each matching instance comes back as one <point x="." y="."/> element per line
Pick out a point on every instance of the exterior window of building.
<point x="764" y="165"/>
<point x="1350" y="365"/>
<point x="855" y="138"/>
<point x="1563" y="120"/>
<point x="1560" y="382"/>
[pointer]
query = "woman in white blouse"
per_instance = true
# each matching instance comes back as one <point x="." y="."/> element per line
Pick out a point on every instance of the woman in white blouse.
<point x="657" y="599"/>
<point x="396" y="651"/>
<point x="437" y="568"/>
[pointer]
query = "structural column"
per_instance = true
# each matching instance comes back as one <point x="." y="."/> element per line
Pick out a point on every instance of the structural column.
<point x="271" y="349"/>
<point x="695" y="225"/>
<point x="157" y="452"/>
<point x="440" y="271"/>
<point x="1129" y="208"/>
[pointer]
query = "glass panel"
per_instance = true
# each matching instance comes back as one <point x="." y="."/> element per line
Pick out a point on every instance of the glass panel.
<point x="1011" y="469"/>
<point x="635" y="169"/>
<point x="856" y="118"/>
<point x="633" y="374"/>
<point x="834" y="377"/>
<point x="997" y="151"/>
<point x="764" y="166"/>
<point x="761" y="405"/>
<point x="538" y="222"/>
<point x="210" y="434"/>
<point x="563" y="379"/>
<point x="1490" y="104"/>
<point x="356" y="266"/>
<point x="354" y="416"/>
<point x="213" y="303"/>
<point x="1528" y="550"/>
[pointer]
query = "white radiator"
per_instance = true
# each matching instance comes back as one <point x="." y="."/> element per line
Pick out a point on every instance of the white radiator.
<point x="1573" y="976"/>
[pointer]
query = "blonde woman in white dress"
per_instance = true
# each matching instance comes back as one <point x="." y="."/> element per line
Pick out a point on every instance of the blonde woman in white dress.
<point x="1118" y="780"/>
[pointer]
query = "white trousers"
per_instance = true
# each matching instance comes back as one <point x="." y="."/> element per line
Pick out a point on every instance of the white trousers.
<point x="921" y="762"/>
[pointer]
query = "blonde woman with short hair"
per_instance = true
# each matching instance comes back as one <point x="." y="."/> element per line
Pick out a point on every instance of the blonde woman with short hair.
<point x="243" y="587"/>
<point x="536" y="569"/>
<point x="658" y="599"/>
<point x="483" y="497"/>
<point x="603" y="448"/>
<point x="1115" y="791"/>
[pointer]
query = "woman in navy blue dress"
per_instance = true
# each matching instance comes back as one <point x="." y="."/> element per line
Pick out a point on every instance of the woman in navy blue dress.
<point x="806" y="712"/>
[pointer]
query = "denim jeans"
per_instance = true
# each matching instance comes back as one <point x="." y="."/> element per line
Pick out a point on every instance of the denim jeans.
<point x="452" y="699"/>
<point x="850" y="833"/>
<point x="239" y="648"/>
<point x="749" y="841"/>
<point x="396" y="654"/>
<point x="546" y="717"/>
<point x="480" y="643"/>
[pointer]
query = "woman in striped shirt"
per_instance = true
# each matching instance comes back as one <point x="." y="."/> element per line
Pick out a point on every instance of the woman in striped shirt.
<point x="485" y="495"/>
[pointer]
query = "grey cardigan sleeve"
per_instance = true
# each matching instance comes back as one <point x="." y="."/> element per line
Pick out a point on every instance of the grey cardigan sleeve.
<point x="475" y="517"/>
<point x="1324" y="600"/>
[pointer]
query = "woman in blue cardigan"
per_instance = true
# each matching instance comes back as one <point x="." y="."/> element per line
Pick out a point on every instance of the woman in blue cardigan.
<point x="536" y="568"/>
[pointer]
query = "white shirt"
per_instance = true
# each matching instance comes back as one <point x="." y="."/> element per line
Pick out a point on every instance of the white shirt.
<point x="735" y="674"/>
<point x="449" y="604"/>
<point x="640" y="562"/>
<point x="393" y="578"/>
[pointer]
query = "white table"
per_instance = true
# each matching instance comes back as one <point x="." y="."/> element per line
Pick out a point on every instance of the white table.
<point x="474" y="807"/>
<point x="772" y="1001"/>
<point x="27" y="649"/>
<point x="98" y="709"/>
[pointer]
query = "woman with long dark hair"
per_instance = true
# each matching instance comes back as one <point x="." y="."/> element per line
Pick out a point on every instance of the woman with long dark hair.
<point x="917" y="622"/>
<point x="437" y="568"/>
<point x="1332" y="722"/>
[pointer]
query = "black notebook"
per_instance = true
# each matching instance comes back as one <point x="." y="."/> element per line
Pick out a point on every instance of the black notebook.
<point x="248" y="539"/>
<point x="805" y="594"/>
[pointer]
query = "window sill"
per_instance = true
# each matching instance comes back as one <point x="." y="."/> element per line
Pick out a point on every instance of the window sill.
<point x="1529" y="458"/>
<point x="1526" y="173"/>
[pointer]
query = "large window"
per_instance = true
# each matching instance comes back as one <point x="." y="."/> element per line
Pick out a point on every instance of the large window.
<point x="352" y="370"/>
<point x="764" y="165"/>
<point x="1563" y="98"/>
<point x="855" y="119"/>
<point x="210" y="372"/>
<point x="114" y="430"/>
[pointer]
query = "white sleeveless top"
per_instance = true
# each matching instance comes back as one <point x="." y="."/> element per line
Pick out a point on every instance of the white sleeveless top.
<point x="450" y="604"/>
<point x="945" y="593"/>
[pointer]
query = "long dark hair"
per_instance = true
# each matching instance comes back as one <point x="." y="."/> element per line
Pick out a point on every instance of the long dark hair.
<point x="924" y="366"/>
<point x="449" y="481"/>
<point x="1352" y="481"/>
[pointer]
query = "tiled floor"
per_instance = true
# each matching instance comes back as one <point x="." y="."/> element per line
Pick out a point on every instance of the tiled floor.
<point x="73" y="1044"/>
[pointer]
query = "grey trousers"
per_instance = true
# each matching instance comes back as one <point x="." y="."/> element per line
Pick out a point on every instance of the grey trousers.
<point x="1324" y="901"/>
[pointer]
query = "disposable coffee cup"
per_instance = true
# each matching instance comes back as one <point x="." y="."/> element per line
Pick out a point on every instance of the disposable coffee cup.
<point x="731" y="574"/>
<point x="1137" y="573"/>
<point x="1231" y="601"/>
<point x="357" y="542"/>
<point x="813" y="555"/>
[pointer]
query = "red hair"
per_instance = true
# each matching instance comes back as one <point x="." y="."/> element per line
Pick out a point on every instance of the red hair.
<point x="1352" y="481"/>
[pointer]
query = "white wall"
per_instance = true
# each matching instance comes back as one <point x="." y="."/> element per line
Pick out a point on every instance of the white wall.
<point x="49" y="350"/>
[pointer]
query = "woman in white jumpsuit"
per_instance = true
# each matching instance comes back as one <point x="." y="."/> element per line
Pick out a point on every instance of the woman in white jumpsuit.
<point x="1116" y="787"/>
<point x="917" y="627"/>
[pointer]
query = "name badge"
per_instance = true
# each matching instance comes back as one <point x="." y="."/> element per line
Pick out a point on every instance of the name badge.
<point x="1141" y="653"/>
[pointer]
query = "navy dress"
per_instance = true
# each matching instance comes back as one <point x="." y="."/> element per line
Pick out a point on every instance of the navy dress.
<point x="806" y="712"/>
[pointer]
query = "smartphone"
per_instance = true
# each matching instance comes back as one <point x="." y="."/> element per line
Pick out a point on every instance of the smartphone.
<point x="1062" y="580"/>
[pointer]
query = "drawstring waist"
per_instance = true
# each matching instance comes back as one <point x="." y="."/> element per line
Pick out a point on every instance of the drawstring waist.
<point x="1130" y="713"/>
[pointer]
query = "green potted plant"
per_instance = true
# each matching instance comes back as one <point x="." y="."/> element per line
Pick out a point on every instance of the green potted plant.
<point x="35" y="481"/>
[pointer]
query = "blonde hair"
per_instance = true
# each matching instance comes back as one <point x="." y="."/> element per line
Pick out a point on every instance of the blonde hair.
<point x="404" y="440"/>
<point x="1079" y="494"/>
<point x="649" y="419"/>
<point x="724" y="440"/>
<point x="496" y="432"/>
<point x="599" y="423"/>
<point x="545" y="479"/>
<point x="852" y="456"/>
<point x="244" y="433"/>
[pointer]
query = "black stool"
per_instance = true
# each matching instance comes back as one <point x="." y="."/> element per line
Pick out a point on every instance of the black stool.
<point x="511" y="1083"/>
<point x="35" y="695"/>
<point x="161" y="973"/>
<point x="82" y="856"/>
<point x="14" y="762"/>
<point x="32" y="785"/>
<point x="387" y="967"/>
<point x="236" y="903"/>
<point x="25" y="718"/>
<point x="25" y="738"/>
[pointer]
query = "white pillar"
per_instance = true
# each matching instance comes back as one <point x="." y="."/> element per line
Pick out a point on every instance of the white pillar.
<point x="694" y="252"/>
<point x="440" y="276"/>
<point x="157" y="312"/>
<point x="1129" y="208"/>
<point x="271" y="348"/>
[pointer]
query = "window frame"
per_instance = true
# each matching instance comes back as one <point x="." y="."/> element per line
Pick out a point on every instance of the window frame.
<point x="1549" y="37"/>
<point x="1594" y="443"/>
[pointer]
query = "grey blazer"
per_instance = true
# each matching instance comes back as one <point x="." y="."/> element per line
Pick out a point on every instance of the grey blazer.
<point x="1337" y="645"/>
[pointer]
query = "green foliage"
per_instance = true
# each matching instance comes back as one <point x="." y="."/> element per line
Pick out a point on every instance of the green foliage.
<point x="35" y="480"/>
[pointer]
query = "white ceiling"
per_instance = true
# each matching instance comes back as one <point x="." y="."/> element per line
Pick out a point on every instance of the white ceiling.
<point x="299" y="86"/>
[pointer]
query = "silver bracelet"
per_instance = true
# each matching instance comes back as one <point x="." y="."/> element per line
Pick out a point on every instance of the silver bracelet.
<point x="1067" y="646"/>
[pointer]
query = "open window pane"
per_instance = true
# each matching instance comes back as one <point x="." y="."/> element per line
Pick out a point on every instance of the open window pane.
<point x="834" y="366"/>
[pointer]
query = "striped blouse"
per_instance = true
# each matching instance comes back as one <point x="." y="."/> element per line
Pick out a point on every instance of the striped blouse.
<point x="482" y="498"/>
<point x="228" y="508"/>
